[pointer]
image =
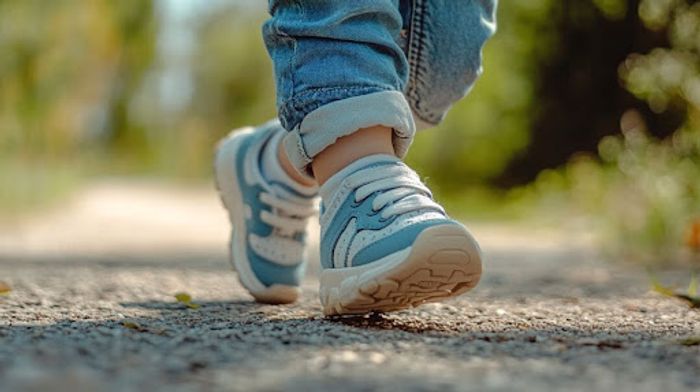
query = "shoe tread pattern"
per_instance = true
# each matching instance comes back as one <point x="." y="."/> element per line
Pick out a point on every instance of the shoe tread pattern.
<point x="443" y="264"/>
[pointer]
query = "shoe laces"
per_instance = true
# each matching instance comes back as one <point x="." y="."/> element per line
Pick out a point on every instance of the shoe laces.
<point x="289" y="215"/>
<point x="401" y="190"/>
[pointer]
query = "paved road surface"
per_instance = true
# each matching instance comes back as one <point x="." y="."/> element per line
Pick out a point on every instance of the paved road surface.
<point x="92" y="308"/>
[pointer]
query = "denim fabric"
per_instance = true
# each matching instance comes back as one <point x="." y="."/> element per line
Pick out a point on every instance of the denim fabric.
<point x="445" y="38"/>
<point x="323" y="126"/>
<point x="401" y="61"/>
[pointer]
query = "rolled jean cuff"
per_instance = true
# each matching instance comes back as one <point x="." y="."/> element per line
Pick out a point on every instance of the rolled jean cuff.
<point x="323" y="126"/>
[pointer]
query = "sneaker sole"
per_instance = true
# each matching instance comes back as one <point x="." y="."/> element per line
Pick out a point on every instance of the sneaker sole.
<point x="225" y="178"/>
<point x="444" y="262"/>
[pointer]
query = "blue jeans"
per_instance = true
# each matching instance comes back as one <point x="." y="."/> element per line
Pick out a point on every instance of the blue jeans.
<point x="344" y="65"/>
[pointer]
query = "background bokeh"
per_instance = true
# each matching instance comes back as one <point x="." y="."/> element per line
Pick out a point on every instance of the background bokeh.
<point x="587" y="108"/>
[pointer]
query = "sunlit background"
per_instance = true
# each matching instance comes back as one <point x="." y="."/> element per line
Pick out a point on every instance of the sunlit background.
<point x="588" y="110"/>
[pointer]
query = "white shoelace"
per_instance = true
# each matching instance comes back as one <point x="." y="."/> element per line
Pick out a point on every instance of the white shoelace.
<point x="288" y="216"/>
<point x="401" y="190"/>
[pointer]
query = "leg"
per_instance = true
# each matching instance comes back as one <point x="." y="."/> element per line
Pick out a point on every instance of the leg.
<point x="386" y="244"/>
<point x="443" y="41"/>
<point x="338" y="69"/>
<point x="347" y="149"/>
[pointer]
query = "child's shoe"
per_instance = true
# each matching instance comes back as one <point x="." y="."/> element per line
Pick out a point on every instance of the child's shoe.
<point x="268" y="213"/>
<point x="386" y="245"/>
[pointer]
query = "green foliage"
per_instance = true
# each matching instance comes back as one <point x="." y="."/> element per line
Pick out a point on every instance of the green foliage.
<point x="613" y="9"/>
<point x="68" y="71"/>
<point x="644" y="193"/>
<point x="648" y="192"/>
<point x="83" y="91"/>
<point x="63" y="63"/>
<point x="482" y="133"/>
<point x="233" y="84"/>
<point x="123" y="87"/>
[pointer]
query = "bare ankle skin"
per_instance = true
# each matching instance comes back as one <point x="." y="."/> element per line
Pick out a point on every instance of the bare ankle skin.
<point x="347" y="149"/>
<point x="291" y="170"/>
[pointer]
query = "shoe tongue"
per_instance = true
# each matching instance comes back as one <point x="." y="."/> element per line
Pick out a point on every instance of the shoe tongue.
<point x="328" y="190"/>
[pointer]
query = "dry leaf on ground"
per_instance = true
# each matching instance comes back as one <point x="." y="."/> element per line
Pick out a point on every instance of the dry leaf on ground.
<point x="186" y="300"/>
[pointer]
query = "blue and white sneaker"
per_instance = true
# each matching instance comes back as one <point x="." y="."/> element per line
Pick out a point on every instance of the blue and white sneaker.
<point x="386" y="245"/>
<point x="269" y="219"/>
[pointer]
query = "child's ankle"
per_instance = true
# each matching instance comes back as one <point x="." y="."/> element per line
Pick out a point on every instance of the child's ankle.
<point x="348" y="149"/>
<point x="291" y="171"/>
<point x="273" y="170"/>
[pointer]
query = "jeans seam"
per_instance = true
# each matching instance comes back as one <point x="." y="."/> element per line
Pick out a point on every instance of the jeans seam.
<point x="293" y="57"/>
<point x="289" y="69"/>
<point x="302" y="148"/>
<point x="416" y="44"/>
<point x="337" y="88"/>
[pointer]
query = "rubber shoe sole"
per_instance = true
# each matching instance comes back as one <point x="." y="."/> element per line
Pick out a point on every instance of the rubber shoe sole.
<point x="225" y="178"/>
<point x="443" y="262"/>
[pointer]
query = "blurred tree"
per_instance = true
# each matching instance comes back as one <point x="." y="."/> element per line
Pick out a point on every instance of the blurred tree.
<point x="232" y="74"/>
<point x="89" y="74"/>
<point x="67" y="72"/>
<point x="482" y="132"/>
<point x="579" y="95"/>
<point x="643" y="193"/>
<point x="232" y="84"/>
<point x="135" y="31"/>
<point x="64" y="64"/>
<point x="667" y="77"/>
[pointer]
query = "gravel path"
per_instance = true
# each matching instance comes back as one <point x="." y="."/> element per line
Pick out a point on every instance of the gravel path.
<point x="92" y="308"/>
